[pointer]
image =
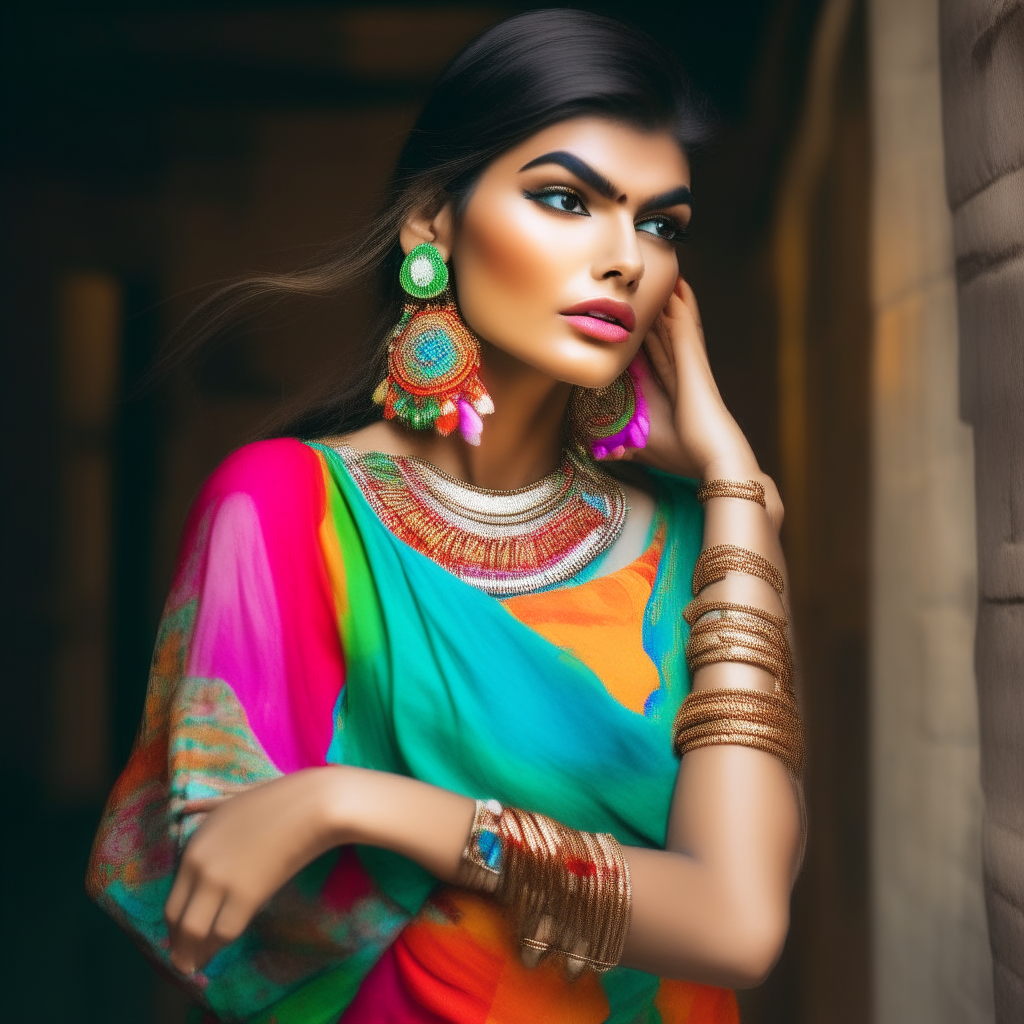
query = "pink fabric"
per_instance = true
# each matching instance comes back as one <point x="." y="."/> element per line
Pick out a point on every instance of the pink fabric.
<point x="263" y="578"/>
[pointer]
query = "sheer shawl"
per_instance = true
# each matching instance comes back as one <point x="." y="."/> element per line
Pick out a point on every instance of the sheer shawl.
<point x="300" y="632"/>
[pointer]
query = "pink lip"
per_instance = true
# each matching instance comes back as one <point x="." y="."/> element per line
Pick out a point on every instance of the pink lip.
<point x="600" y="329"/>
<point x="582" y="317"/>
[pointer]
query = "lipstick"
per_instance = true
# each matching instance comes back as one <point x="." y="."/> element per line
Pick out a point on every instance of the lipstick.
<point x="602" y="319"/>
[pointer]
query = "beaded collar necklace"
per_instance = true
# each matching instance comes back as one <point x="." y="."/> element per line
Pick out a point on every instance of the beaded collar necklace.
<point x="502" y="542"/>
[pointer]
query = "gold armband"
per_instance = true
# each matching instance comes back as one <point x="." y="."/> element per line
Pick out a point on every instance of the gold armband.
<point x="750" y="490"/>
<point x="749" y="718"/>
<point x="714" y="562"/>
<point x="729" y="632"/>
<point x="724" y="631"/>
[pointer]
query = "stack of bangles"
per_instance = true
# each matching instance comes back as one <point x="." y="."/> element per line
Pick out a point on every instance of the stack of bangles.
<point x="725" y="631"/>
<point x="568" y="892"/>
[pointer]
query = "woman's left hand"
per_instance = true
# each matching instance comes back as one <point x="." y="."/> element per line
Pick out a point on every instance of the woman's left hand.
<point x="692" y="432"/>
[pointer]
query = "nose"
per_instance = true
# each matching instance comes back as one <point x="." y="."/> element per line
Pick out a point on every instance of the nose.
<point x="620" y="256"/>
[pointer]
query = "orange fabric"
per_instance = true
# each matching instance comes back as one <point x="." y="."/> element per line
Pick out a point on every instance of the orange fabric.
<point x="601" y="623"/>
<point x="457" y="963"/>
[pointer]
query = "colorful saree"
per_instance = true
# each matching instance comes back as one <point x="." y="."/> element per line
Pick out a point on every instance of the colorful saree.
<point x="300" y="632"/>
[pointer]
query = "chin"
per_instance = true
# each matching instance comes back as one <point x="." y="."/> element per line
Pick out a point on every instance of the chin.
<point x="587" y="366"/>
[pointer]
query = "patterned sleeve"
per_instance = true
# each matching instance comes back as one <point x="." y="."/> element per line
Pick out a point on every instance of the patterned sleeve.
<point x="243" y="687"/>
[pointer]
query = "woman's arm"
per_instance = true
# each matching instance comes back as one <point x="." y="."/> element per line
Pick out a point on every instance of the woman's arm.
<point x="712" y="907"/>
<point x="716" y="913"/>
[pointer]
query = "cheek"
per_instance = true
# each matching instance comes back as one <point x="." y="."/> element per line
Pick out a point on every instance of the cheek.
<point x="507" y="258"/>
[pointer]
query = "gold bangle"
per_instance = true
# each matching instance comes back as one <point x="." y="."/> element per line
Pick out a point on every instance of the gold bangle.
<point x="544" y="870"/>
<point x="744" y="655"/>
<point x="737" y="623"/>
<point x="750" y="490"/>
<point x="698" y="608"/>
<point x="747" y="636"/>
<point x="750" y="718"/>
<point x="589" y="910"/>
<point x="714" y="562"/>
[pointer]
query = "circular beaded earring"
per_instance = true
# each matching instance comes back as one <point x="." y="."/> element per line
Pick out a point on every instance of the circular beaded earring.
<point x="433" y="357"/>
<point x="608" y="420"/>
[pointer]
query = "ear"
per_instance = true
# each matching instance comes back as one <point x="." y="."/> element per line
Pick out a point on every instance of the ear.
<point x="438" y="230"/>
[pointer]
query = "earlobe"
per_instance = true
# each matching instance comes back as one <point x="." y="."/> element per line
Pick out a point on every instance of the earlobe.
<point x="438" y="230"/>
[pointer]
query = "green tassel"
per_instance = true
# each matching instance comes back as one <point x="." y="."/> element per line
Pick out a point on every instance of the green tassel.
<point x="431" y="411"/>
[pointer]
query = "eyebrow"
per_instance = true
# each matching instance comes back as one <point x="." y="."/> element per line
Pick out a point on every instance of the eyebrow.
<point x="599" y="183"/>
<point x="674" y="197"/>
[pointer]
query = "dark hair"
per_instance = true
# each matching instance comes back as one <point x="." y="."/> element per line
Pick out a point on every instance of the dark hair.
<point x="516" y="78"/>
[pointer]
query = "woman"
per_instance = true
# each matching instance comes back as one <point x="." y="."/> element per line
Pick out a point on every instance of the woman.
<point x="411" y="744"/>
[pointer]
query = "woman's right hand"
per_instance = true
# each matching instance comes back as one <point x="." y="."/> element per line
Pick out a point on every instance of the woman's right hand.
<point x="252" y="843"/>
<point x="246" y="849"/>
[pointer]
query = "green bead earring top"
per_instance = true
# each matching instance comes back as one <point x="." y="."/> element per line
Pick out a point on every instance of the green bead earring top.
<point x="423" y="274"/>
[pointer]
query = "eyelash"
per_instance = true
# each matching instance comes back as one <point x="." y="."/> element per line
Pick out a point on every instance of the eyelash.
<point x="554" y="191"/>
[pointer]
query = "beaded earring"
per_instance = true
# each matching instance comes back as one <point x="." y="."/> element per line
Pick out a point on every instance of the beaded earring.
<point x="433" y="358"/>
<point x="608" y="420"/>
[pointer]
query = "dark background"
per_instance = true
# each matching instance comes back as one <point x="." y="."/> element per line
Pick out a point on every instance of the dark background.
<point x="150" y="150"/>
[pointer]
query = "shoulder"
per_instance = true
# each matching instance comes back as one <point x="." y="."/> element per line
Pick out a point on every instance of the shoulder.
<point x="276" y="486"/>
<point x="269" y="496"/>
<point x="266" y="469"/>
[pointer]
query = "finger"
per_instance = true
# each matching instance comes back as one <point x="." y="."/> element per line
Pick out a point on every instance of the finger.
<point x="228" y="924"/>
<point x="689" y="297"/>
<point x="574" y="964"/>
<point x="659" y="337"/>
<point x="179" y="896"/>
<point x="232" y="919"/>
<point x="661" y="365"/>
<point x="194" y="927"/>
<point x="532" y="956"/>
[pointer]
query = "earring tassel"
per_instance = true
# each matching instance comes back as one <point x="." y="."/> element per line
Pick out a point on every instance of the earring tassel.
<point x="470" y="424"/>
<point x="448" y="420"/>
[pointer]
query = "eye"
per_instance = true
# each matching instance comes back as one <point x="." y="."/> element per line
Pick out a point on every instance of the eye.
<point x="662" y="227"/>
<point x="562" y="199"/>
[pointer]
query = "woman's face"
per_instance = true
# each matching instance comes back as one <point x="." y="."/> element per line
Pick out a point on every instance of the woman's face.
<point x="565" y="253"/>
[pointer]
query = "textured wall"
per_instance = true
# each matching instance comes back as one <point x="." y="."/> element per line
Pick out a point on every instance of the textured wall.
<point x="983" y="113"/>
<point x="931" y="957"/>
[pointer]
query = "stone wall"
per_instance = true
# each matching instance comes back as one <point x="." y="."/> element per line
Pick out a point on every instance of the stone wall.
<point x="931" y="960"/>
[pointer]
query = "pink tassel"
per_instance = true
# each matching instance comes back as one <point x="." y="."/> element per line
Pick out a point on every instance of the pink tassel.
<point x="470" y="424"/>
<point x="636" y="432"/>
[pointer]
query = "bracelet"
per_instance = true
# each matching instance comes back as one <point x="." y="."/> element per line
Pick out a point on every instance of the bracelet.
<point x="714" y="562"/>
<point x="749" y="718"/>
<point x="745" y="636"/>
<point x="751" y="490"/>
<point x="481" y="858"/>
<point x="544" y="870"/>
<point x="699" y="607"/>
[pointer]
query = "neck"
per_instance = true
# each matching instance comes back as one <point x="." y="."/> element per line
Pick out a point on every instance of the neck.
<point x="521" y="440"/>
